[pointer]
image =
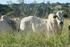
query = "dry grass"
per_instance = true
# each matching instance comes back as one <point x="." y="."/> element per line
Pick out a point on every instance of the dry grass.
<point x="30" y="39"/>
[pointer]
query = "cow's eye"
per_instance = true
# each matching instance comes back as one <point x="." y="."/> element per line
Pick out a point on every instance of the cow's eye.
<point x="54" y="16"/>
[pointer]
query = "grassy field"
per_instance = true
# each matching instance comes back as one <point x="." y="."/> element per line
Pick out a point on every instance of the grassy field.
<point x="30" y="39"/>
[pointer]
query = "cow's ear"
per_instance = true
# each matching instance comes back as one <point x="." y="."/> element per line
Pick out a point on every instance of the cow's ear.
<point x="55" y="16"/>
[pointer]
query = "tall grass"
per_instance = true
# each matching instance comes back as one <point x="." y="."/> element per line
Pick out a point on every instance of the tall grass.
<point x="31" y="39"/>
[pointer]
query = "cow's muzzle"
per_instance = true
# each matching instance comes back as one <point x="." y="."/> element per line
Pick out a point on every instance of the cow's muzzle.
<point x="61" y="23"/>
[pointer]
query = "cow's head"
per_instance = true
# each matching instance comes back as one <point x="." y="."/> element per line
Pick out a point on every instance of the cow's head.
<point x="60" y="15"/>
<point x="60" y="18"/>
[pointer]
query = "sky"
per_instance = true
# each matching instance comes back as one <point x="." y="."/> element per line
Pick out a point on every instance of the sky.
<point x="38" y="1"/>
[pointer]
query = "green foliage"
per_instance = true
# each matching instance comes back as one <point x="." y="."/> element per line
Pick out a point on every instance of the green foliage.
<point x="4" y="9"/>
<point x="38" y="9"/>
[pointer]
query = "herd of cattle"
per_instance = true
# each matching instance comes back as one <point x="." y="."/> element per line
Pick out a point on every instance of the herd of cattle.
<point x="53" y="24"/>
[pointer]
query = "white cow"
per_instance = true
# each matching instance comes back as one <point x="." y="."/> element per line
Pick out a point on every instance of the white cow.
<point x="4" y="26"/>
<point x="7" y="24"/>
<point x="54" y="23"/>
<point x="32" y="23"/>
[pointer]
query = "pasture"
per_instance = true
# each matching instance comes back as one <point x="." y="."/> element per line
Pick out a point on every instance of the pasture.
<point x="31" y="39"/>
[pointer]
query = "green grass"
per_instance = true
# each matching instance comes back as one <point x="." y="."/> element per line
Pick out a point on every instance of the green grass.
<point x="31" y="39"/>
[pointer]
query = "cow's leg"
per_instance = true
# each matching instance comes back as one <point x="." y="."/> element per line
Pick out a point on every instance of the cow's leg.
<point x="33" y="27"/>
<point x="18" y="28"/>
<point x="22" y="26"/>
